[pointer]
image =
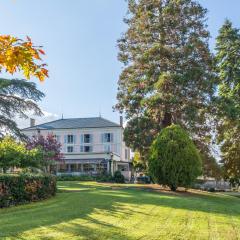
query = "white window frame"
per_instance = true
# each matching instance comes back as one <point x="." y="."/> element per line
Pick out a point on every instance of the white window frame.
<point x="70" y="147"/>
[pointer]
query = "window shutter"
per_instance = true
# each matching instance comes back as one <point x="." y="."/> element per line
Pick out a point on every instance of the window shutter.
<point x="81" y="138"/>
<point x="74" y="139"/>
<point x="91" y="138"/>
<point x="65" y="149"/>
<point x="58" y="138"/>
<point x="81" y="149"/>
<point x="111" y="137"/>
<point x="102" y="137"/>
<point x="65" y="139"/>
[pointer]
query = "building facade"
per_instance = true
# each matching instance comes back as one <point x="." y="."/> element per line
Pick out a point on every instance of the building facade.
<point x="89" y="145"/>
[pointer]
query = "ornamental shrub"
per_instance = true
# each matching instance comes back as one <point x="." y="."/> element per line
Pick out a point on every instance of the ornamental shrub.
<point x="18" y="189"/>
<point x="174" y="160"/>
<point x="118" y="177"/>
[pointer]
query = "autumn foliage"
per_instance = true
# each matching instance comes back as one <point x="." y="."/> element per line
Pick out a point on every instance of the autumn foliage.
<point x="21" y="55"/>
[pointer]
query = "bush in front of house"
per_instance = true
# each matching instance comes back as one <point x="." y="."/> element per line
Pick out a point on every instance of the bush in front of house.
<point x="174" y="159"/>
<point x="75" y="178"/>
<point x="24" y="188"/>
<point x="105" y="178"/>
<point x="118" y="177"/>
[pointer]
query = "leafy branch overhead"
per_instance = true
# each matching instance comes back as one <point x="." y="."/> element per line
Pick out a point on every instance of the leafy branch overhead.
<point x="18" y="97"/>
<point x="19" y="55"/>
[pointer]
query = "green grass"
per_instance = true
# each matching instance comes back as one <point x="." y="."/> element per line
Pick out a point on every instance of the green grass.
<point x="88" y="210"/>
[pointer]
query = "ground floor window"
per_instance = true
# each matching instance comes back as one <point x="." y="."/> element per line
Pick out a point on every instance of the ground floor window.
<point x="73" y="167"/>
<point x="101" y="167"/>
<point x="62" y="168"/>
<point x="98" y="167"/>
<point x="88" y="167"/>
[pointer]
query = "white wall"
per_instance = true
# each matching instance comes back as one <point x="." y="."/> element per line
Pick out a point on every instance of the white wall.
<point x="117" y="146"/>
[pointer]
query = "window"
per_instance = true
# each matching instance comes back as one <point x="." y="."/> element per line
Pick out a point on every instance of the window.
<point x="107" y="137"/>
<point x="87" y="167"/>
<point x="70" y="149"/>
<point x="107" y="148"/>
<point x="101" y="167"/>
<point x="87" y="138"/>
<point x="86" y="148"/>
<point x="73" y="167"/>
<point x="79" y="167"/>
<point x="69" y="138"/>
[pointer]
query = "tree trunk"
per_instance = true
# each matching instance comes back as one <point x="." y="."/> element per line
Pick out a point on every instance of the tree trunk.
<point x="167" y="120"/>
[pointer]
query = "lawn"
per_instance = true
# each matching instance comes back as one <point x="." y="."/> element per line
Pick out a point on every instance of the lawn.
<point x="88" y="210"/>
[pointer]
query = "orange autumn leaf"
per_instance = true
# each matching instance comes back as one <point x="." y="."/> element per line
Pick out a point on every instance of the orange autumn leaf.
<point x="41" y="51"/>
<point x="19" y="55"/>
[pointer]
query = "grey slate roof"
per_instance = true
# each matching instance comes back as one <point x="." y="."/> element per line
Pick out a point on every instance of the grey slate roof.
<point x="73" y="123"/>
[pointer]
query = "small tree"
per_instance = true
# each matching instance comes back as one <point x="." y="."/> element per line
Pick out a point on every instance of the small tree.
<point x="15" y="154"/>
<point x="138" y="163"/>
<point x="50" y="150"/>
<point x="174" y="159"/>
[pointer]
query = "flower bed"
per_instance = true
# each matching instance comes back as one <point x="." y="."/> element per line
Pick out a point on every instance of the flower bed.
<point x="18" y="189"/>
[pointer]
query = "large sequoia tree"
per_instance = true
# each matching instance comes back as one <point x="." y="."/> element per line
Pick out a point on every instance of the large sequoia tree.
<point x="168" y="69"/>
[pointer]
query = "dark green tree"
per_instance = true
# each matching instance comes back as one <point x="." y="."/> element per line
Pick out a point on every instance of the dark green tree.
<point x="174" y="159"/>
<point x="139" y="134"/>
<point x="228" y="100"/>
<point x="17" y="98"/>
<point x="168" y="70"/>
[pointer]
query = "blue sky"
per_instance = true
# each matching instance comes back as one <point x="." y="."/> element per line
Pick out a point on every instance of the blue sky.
<point x="79" y="38"/>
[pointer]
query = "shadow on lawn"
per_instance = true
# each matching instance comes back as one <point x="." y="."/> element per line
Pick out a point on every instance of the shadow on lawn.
<point x="70" y="205"/>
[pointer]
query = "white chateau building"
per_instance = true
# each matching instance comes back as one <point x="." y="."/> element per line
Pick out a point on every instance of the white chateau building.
<point x="89" y="145"/>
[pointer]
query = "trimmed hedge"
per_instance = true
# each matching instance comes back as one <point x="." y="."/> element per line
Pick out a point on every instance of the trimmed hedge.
<point x="19" y="189"/>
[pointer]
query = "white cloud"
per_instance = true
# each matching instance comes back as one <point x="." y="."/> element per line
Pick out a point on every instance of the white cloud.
<point x="47" y="117"/>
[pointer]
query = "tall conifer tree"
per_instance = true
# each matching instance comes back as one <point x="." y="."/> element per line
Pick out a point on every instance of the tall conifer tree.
<point x="228" y="69"/>
<point x="167" y="76"/>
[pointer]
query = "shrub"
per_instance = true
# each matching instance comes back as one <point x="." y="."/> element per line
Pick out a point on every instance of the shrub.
<point x="212" y="189"/>
<point x="105" y="178"/>
<point x="18" y="189"/>
<point x="174" y="159"/>
<point x="75" y="178"/>
<point x="118" y="177"/>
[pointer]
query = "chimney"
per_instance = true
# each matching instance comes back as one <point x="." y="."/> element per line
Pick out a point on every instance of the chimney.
<point x="32" y="122"/>
<point x="121" y="121"/>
